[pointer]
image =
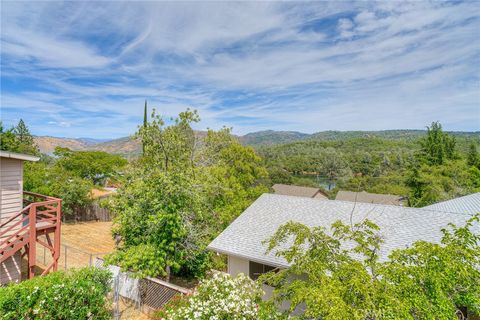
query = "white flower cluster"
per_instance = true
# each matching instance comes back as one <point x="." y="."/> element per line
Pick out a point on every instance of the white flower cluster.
<point x="222" y="297"/>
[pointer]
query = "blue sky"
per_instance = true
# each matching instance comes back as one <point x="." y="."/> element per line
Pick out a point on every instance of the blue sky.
<point x="84" y="69"/>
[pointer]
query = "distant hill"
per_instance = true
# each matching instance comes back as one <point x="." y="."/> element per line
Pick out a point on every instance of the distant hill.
<point x="129" y="147"/>
<point x="272" y="137"/>
<point x="48" y="144"/>
<point x="91" y="141"/>
<point x="126" y="146"/>
<point x="385" y="134"/>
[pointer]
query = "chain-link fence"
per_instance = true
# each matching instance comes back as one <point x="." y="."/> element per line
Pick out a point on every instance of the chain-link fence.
<point x="144" y="295"/>
<point x="70" y="257"/>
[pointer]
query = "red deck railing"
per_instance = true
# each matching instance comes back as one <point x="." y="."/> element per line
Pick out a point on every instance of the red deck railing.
<point x="40" y="217"/>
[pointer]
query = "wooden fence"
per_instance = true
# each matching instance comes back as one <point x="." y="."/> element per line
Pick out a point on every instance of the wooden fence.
<point x="93" y="212"/>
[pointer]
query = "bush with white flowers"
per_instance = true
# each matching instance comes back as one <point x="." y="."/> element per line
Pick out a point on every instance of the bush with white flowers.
<point x="219" y="298"/>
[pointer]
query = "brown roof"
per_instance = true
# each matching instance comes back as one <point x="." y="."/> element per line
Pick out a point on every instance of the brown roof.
<point x="366" y="197"/>
<point x="308" y="192"/>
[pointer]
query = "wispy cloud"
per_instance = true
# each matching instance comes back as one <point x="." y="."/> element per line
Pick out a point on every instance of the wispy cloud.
<point x="84" y="68"/>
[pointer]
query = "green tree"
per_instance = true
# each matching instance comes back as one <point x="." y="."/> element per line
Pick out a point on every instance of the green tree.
<point x="332" y="165"/>
<point x="159" y="209"/>
<point x="422" y="192"/>
<point x="437" y="146"/>
<point x="175" y="195"/>
<point x="18" y="139"/>
<point x="8" y="140"/>
<point x="96" y="166"/>
<point x="472" y="156"/>
<point x="332" y="281"/>
<point x="25" y="139"/>
<point x="233" y="173"/>
<point x="53" y="180"/>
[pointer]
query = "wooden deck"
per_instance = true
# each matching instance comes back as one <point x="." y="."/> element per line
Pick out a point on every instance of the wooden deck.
<point x="37" y="225"/>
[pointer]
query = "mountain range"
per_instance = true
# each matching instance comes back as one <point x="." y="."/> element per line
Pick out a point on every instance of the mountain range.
<point x="129" y="147"/>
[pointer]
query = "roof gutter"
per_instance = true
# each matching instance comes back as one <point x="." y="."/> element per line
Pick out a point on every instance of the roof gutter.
<point x="262" y="261"/>
<point x="18" y="156"/>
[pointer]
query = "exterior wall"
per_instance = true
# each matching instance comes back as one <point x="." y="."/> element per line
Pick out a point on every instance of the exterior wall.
<point x="237" y="265"/>
<point x="11" y="202"/>
<point x="11" y="192"/>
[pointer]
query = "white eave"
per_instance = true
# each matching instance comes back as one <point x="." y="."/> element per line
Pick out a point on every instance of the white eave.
<point x="18" y="156"/>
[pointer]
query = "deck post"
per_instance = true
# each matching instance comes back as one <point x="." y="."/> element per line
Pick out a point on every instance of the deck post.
<point x="57" y="236"/>
<point x="32" y="239"/>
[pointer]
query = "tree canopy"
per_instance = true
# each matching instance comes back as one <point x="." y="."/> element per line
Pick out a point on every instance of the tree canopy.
<point x="96" y="166"/>
<point x="180" y="194"/>
<point x="329" y="280"/>
<point x="18" y="139"/>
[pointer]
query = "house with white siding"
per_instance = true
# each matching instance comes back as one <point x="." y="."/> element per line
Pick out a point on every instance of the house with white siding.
<point x="11" y="202"/>
<point x="243" y="240"/>
<point x="26" y="219"/>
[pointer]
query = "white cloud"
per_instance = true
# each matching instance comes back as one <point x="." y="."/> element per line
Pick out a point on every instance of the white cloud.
<point x="373" y="66"/>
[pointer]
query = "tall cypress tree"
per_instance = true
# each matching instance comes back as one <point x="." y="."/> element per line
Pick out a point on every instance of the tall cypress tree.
<point x="145" y="115"/>
<point x="145" y="120"/>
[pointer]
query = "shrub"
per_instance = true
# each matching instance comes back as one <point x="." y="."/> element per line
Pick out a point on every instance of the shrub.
<point x="220" y="297"/>
<point x="79" y="294"/>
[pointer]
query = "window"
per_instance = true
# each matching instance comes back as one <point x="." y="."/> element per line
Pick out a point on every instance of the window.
<point x="257" y="269"/>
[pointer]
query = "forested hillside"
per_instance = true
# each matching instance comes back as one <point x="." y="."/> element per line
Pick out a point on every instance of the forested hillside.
<point x="129" y="147"/>
<point x="395" y="162"/>
<point x="392" y="161"/>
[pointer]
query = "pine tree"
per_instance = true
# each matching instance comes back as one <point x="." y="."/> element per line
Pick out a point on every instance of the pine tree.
<point x="25" y="139"/>
<point x="8" y="140"/>
<point x="472" y="156"/>
<point x="437" y="146"/>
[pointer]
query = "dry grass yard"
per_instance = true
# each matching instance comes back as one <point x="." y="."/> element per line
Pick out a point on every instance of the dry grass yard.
<point x="81" y="244"/>
<point x="90" y="237"/>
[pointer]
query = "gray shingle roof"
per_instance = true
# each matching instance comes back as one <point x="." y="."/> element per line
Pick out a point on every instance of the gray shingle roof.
<point x="400" y="226"/>
<point x="467" y="205"/>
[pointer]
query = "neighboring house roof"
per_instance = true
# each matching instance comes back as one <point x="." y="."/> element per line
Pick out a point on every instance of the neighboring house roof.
<point x="399" y="226"/>
<point x="297" y="191"/>
<point x="18" y="156"/>
<point x="366" y="197"/>
<point x="467" y="205"/>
